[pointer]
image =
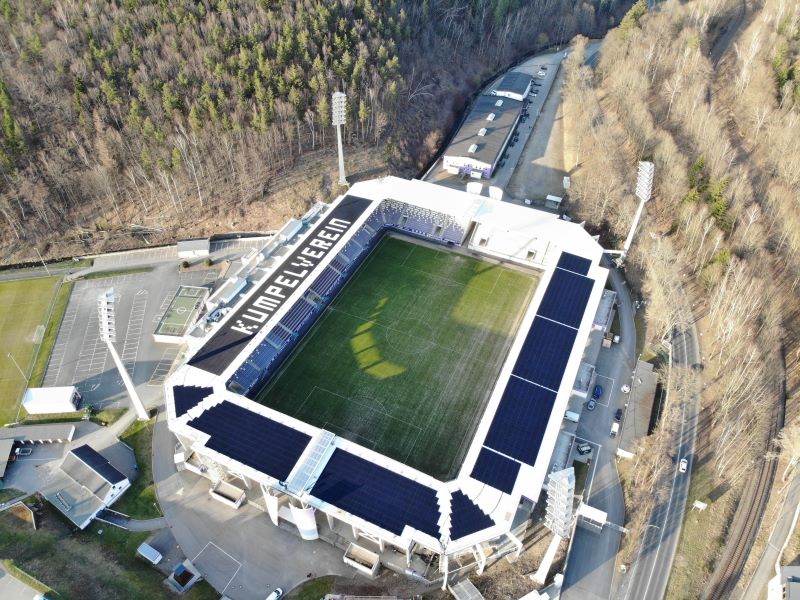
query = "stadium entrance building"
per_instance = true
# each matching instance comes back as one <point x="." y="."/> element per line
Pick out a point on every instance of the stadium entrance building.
<point x="321" y="479"/>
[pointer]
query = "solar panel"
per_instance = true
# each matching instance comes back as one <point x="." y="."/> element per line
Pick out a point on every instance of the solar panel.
<point x="576" y="264"/>
<point x="495" y="470"/>
<point x="188" y="396"/>
<point x="520" y="421"/>
<point x="378" y="495"/>
<point x="98" y="463"/>
<point x="545" y="353"/>
<point x="566" y="297"/>
<point x="466" y="517"/>
<point x="252" y="439"/>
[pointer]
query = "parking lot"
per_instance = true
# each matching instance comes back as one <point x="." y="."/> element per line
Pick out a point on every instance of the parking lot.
<point x="80" y="356"/>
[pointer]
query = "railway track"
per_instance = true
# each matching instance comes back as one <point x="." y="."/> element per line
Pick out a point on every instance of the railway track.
<point x="745" y="527"/>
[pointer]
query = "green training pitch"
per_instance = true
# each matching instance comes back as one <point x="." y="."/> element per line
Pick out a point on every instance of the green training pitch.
<point x="26" y="304"/>
<point x="405" y="358"/>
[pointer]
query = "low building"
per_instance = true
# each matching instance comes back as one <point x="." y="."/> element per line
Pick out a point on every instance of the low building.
<point x="478" y="145"/>
<point x="85" y="484"/>
<point x="515" y="85"/>
<point x="51" y="433"/>
<point x="785" y="585"/>
<point x="50" y="400"/>
<point x="194" y="248"/>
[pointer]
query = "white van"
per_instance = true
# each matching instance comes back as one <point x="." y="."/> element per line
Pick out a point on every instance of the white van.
<point x="614" y="429"/>
<point x="149" y="553"/>
<point x="572" y="416"/>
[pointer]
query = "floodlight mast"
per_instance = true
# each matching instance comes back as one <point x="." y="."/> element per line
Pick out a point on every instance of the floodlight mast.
<point x="644" y="189"/>
<point x="108" y="332"/>
<point x="339" y="114"/>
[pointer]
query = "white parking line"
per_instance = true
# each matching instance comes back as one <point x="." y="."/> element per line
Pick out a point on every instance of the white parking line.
<point x="609" y="389"/>
<point x="133" y="333"/>
<point x="163" y="367"/>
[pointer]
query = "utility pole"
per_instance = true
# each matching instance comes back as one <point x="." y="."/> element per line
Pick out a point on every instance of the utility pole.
<point x="339" y="110"/>
<point x="108" y="331"/>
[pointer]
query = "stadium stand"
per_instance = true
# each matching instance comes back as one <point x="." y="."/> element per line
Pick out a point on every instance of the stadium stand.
<point x="189" y="396"/>
<point x="466" y="517"/>
<point x="495" y="470"/>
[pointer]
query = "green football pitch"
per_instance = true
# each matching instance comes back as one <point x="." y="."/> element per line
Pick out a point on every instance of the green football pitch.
<point x="405" y="358"/>
<point x="26" y="304"/>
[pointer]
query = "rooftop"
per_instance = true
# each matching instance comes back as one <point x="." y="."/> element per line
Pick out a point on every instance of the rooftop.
<point x="497" y="116"/>
<point x="514" y="82"/>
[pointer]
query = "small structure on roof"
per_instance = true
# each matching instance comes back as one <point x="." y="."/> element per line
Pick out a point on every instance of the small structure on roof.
<point x="194" y="248"/>
<point x="515" y="85"/>
<point x="85" y="484"/>
<point x="49" y="400"/>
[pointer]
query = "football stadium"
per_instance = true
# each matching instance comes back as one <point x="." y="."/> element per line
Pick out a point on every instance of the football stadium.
<point x="395" y="370"/>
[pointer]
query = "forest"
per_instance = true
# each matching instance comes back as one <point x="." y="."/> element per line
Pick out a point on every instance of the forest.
<point x="709" y="90"/>
<point x="137" y="121"/>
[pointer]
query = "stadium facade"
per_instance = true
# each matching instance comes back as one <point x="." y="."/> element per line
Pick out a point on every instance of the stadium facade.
<point x="313" y="479"/>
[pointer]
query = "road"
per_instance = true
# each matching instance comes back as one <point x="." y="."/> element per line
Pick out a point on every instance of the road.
<point x="12" y="588"/>
<point x="781" y="530"/>
<point x="590" y="567"/>
<point x="649" y="574"/>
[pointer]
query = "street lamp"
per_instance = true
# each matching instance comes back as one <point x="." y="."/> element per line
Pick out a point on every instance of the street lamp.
<point x="108" y="332"/>
<point x="339" y="116"/>
<point x="644" y="188"/>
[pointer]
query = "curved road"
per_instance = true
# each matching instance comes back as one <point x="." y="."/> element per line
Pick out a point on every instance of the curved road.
<point x="650" y="571"/>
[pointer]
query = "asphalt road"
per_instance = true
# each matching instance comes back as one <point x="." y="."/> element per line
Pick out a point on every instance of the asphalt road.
<point x="650" y="571"/>
<point x="590" y="566"/>
<point x="13" y="589"/>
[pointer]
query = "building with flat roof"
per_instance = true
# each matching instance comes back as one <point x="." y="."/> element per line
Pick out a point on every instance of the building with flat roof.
<point x="515" y="85"/>
<point x="479" y="143"/>
<point x="50" y="400"/>
<point x="194" y="248"/>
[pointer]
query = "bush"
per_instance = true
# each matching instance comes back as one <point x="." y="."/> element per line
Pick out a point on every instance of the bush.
<point x="185" y="264"/>
<point x="208" y="262"/>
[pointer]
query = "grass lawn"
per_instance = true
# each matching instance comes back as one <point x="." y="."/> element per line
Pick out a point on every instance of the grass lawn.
<point x="312" y="590"/>
<point x="581" y="471"/>
<point x="85" y="565"/>
<point x="404" y="359"/>
<point x="104" y="416"/>
<point x="7" y="494"/>
<point x="26" y="305"/>
<point x="139" y="502"/>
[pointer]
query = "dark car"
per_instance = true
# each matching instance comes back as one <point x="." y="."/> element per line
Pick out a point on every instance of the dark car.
<point x="618" y="415"/>
<point x="597" y="393"/>
<point x="584" y="448"/>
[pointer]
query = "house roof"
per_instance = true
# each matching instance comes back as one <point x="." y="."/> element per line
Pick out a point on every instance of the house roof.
<point x="514" y="82"/>
<point x="37" y="433"/>
<point x="498" y="128"/>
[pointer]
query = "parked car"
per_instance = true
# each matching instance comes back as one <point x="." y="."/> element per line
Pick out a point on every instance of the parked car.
<point x="684" y="464"/>
<point x="618" y="415"/>
<point x="584" y="448"/>
<point x="276" y="595"/>
<point x="626" y="389"/>
<point x="23" y="451"/>
<point x="591" y="405"/>
<point x="597" y="393"/>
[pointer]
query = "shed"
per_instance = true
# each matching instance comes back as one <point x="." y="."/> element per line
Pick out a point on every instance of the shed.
<point x="49" y="400"/>
<point x="194" y="248"/>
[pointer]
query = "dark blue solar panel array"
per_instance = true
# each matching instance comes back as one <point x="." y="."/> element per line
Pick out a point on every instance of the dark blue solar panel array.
<point x="545" y="353"/>
<point x="98" y="463"/>
<point x="520" y="420"/>
<point x="527" y="402"/>
<point x="495" y="470"/>
<point x="466" y="517"/>
<point x="188" y="396"/>
<point x="576" y="264"/>
<point x="566" y="297"/>
<point x="252" y="439"/>
<point x="377" y="495"/>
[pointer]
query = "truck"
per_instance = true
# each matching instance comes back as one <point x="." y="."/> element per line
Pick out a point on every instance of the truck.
<point x="614" y="430"/>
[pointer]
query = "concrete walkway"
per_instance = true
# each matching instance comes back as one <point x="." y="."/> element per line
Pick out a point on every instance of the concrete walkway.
<point x="239" y="552"/>
<point x="12" y="588"/>
<point x="783" y="528"/>
<point x="147" y="524"/>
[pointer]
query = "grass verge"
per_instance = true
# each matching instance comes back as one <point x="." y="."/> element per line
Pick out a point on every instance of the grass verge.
<point x="104" y="416"/>
<point x="7" y="494"/>
<point x="140" y="502"/>
<point x="18" y="573"/>
<point x="702" y="535"/>
<point x="114" y="272"/>
<point x="85" y="564"/>
<point x="581" y="471"/>
<point x="50" y="334"/>
<point x="312" y="590"/>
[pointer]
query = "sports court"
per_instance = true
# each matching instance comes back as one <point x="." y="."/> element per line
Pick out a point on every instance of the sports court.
<point x="405" y="358"/>
<point x="182" y="310"/>
<point x="26" y="306"/>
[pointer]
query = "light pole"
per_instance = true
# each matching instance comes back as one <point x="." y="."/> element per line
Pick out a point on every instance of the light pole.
<point x="44" y="264"/>
<point x="644" y="188"/>
<point x="108" y="331"/>
<point x="339" y="116"/>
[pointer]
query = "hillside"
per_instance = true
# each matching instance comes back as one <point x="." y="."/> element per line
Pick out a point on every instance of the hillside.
<point x="138" y="120"/>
